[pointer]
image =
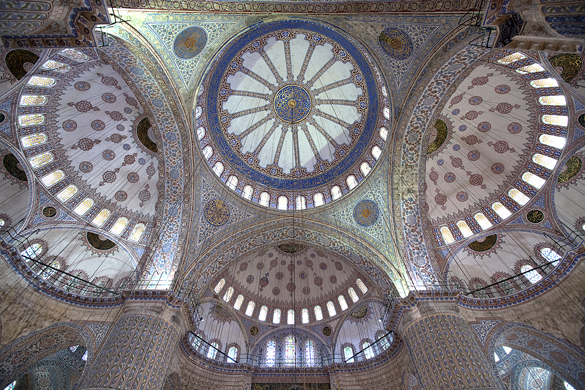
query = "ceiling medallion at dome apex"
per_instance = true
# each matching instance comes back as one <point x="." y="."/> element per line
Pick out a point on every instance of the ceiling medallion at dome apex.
<point x="293" y="109"/>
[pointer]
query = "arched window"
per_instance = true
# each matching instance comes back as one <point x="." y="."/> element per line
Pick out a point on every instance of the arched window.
<point x="365" y="168"/>
<point x="119" y="226"/>
<point x="544" y="83"/>
<point x="56" y="66"/>
<point x="386" y="112"/>
<point x="228" y="294"/>
<point x="518" y="197"/>
<point x="361" y="286"/>
<point x="195" y="342"/>
<point x="31" y="120"/>
<point x="82" y="208"/>
<point x="265" y="199"/>
<point x="335" y="192"/>
<point x="348" y="354"/>
<point x="84" y="357"/>
<point x="482" y="220"/>
<point x="447" y="236"/>
<point x="137" y="232"/>
<point x="263" y="313"/>
<point x="219" y="286"/>
<point x="367" y="350"/>
<point x="383" y="133"/>
<point x="41" y="159"/>
<point x="318" y="199"/>
<point x="352" y="294"/>
<point x="384" y="344"/>
<point x="276" y="316"/>
<point x="212" y="350"/>
<point x="531" y="274"/>
<point x="74" y="55"/>
<point x="550" y="255"/>
<point x="53" y="178"/>
<point x="290" y="317"/>
<point x="533" y="68"/>
<point x="247" y="193"/>
<point x="47" y="272"/>
<point x="496" y="357"/>
<point x="42" y="81"/>
<point x="553" y="140"/>
<point x="207" y="152"/>
<point x="464" y="228"/>
<point x="351" y="182"/>
<point x="376" y="152"/>
<point x="13" y="384"/>
<point x="301" y="202"/>
<point x="200" y="133"/>
<point x="218" y="168"/>
<point x="556" y="120"/>
<point x="342" y="302"/>
<point x="73" y="348"/>
<point x="250" y="308"/>
<point x="282" y="202"/>
<point x="270" y="353"/>
<point x="331" y="309"/>
<point x="511" y="58"/>
<point x="545" y="161"/>
<point x="102" y="217"/>
<point x="33" y="140"/>
<point x="305" y="316"/>
<point x="289" y="351"/>
<point x="232" y="182"/>
<point x="67" y="193"/>
<point x="558" y="100"/>
<point x="318" y="313"/>
<point x="535" y="181"/>
<point x="33" y="251"/>
<point x="567" y="386"/>
<point x="310" y="353"/>
<point x="238" y="302"/>
<point x="32" y="100"/>
<point x="501" y="210"/>
<point x="233" y="353"/>
<point x="507" y="350"/>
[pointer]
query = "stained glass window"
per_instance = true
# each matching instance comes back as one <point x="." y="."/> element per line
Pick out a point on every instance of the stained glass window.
<point x="305" y="316"/>
<point x="310" y="353"/>
<point x="33" y="251"/>
<point x="247" y="193"/>
<point x="270" y="353"/>
<point x="335" y="192"/>
<point x="544" y="83"/>
<point x="351" y="182"/>
<point x="42" y="81"/>
<point x="384" y="342"/>
<point x="550" y="255"/>
<point x="352" y="294"/>
<point x="41" y="159"/>
<point x="56" y="66"/>
<point x="232" y="353"/>
<point x="228" y="294"/>
<point x="501" y="210"/>
<point x="318" y="313"/>
<point x="318" y="199"/>
<point x="365" y="168"/>
<point x="282" y="202"/>
<point x="567" y="386"/>
<point x="2" y="222"/>
<point x="276" y="316"/>
<point x="556" y="120"/>
<point x="74" y="55"/>
<point x="289" y="351"/>
<point x="545" y="161"/>
<point x="52" y="178"/>
<point x="447" y="236"/>
<point x="511" y="58"/>
<point x="361" y="286"/>
<point x="84" y="357"/>
<point x="367" y="350"/>
<point x="534" y="68"/>
<point x="102" y="217"/>
<point x="383" y="133"/>
<point x="11" y="386"/>
<point x="48" y="272"/>
<point x="265" y="199"/>
<point x="464" y="228"/>
<point x="195" y="342"/>
<point x="218" y="168"/>
<point x="290" y="317"/>
<point x="301" y="202"/>
<point x="32" y="100"/>
<point x="482" y="220"/>
<point x="67" y="193"/>
<point x="83" y="206"/>
<point x="376" y="152"/>
<point x="250" y="308"/>
<point x="119" y="226"/>
<point x="212" y="351"/>
<point x="535" y="181"/>
<point x="263" y="313"/>
<point x="558" y="100"/>
<point x="348" y="354"/>
<point x="238" y="302"/>
<point x="33" y="140"/>
<point x="207" y="152"/>
<point x="73" y="348"/>
<point x="518" y="196"/>
<point x="531" y="274"/>
<point x="219" y="286"/>
<point x="331" y="309"/>
<point x="342" y="302"/>
<point x="200" y="132"/>
<point x="232" y="182"/>
<point x="553" y="140"/>
<point x="137" y="232"/>
<point x="31" y="120"/>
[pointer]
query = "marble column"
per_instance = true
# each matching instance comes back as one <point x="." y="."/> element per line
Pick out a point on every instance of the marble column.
<point x="138" y="349"/>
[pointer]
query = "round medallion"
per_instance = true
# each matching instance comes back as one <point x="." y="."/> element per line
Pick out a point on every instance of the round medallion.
<point x="327" y="331"/>
<point x="292" y="103"/>
<point x="254" y="330"/>
<point x="535" y="216"/>
<point x="49" y="212"/>
<point x="190" y="42"/>
<point x="216" y="212"/>
<point x="366" y="213"/>
<point x="396" y="43"/>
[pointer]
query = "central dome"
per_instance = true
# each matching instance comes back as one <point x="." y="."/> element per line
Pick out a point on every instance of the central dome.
<point x="292" y="109"/>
